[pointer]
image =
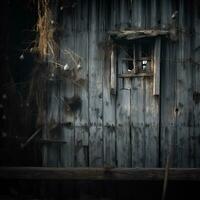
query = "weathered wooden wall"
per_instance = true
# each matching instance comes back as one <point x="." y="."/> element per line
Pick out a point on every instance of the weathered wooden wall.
<point x="131" y="128"/>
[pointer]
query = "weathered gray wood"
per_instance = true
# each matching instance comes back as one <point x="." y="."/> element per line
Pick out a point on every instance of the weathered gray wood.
<point x="109" y="98"/>
<point x="168" y="103"/>
<point x="138" y="34"/>
<point x="150" y="174"/>
<point x="137" y="122"/>
<point x="81" y="146"/>
<point x="137" y="14"/>
<point x="151" y="125"/>
<point x="109" y="138"/>
<point x="96" y="132"/>
<point x="144" y="106"/>
<point x="184" y="89"/>
<point x="131" y="75"/>
<point x="81" y="89"/>
<point x="123" y="24"/>
<point x="67" y="43"/>
<point x="144" y="123"/>
<point x="121" y="68"/>
<point x="50" y="152"/>
<point x="113" y="72"/>
<point x="154" y="14"/>
<point x="123" y="128"/>
<point x="52" y="120"/>
<point x="156" y="67"/>
<point x="195" y="147"/>
<point x="113" y="15"/>
<point x="95" y="88"/>
<point x="124" y="14"/>
<point x="168" y="134"/>
<point x="166" y="12"/>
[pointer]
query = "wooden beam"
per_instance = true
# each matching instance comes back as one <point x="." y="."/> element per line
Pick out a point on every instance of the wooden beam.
<point x="136" y="174"/>
<point x="137" y="34"/>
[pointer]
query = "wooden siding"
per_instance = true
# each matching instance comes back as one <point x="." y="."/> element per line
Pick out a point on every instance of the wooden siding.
<point x="132" y="127"/>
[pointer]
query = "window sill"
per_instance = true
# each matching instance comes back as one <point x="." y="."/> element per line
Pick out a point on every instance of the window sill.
<point x="131" y="75"/>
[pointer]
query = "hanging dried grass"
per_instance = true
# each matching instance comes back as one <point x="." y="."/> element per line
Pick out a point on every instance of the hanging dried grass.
<point x="45" y="27"/>
<point x="48" y="62"/>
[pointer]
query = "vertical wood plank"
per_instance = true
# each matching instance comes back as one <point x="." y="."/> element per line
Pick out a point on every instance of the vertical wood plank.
<point x="138" y="18"/>
<point x="156" y="67"/>
<point x="67" y="91"/>
<point x="109" y="88"/>
<point x="144" y="106"/>
<point x="109" y="111"/>
<point x="196" y="87"/>
<point x="95" y="88"/>
<point x="154" y="7"/>
<point x="151" y="103"/>
<point x="151" y="109"/>
<point x="81" y="88"/>
<point x="123" y="128"/>
<point x="184" y="88"/>
<point x="137" y="98"/>
<point x="113" y="72"/>
<point x="166" y="12"/>
<point x="50" y="151"/>
<point x="168" y="103"/>
<point x="52" y="121"/>
<point x="137" y="122"/>
<point x="168" y="135"/>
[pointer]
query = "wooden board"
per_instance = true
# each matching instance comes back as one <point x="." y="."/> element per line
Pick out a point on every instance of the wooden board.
<point x="123" y="128"/>
<point x="195" y="147"/>
<point x="109" y="103"/>
<point x="184" y="90"/>
<point x="81" y="89"/>
<point x="95" y="89"/>
<point x="156" y="67"/>
<point x="148" y="174"/>
<point x="168" y="134"/>
<point x="129" y="127"/>
<point x="67" y="154"/>
<point x="137" y="122"/>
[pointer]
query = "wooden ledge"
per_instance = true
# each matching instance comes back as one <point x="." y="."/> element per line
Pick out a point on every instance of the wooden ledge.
<point x="136" y="174"/>
<point x="138" y="34"/>
<point x="131" y="75"/>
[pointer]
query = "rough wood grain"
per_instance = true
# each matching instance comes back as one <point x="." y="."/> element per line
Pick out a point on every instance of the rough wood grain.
<point x="168" y="136"/>
<point x="109" y="98"/>
<point x="195" y="147"/>
<point x="184" y="89"/>
<point x="81" y="89"/>
<point x="95" y="87"/>
<point x="123" y="128"/>
<point x="109" y="138"/>
<point x="113" y="72"/>
<point x="137" y="122"/>
<point x="67" y="91"/>
<point x="151" y="125"/>
<point x="138" y="34"/>
<point x="156" y="67"/>
<point x="147" y="174"/>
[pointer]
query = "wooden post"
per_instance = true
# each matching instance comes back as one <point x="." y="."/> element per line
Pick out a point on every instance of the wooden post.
<point x="156" y="67"/>
<point x="112" y="72"/>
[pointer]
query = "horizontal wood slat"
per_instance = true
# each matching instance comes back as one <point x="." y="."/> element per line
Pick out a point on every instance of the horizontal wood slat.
<point x="147" y="174"/>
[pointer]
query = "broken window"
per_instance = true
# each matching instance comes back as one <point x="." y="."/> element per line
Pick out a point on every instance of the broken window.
<point x="139" y="57"/>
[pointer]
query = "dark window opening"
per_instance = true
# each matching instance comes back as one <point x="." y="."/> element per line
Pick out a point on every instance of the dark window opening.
<point x="139" y="56"/>
<point x="130" y="62"/>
